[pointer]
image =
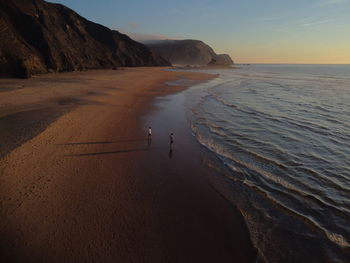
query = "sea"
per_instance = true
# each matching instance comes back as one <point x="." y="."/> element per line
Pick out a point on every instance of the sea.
<point x="277" y="138"/>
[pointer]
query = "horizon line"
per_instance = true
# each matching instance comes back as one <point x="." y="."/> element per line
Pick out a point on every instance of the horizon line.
<point x="286" y="63"/>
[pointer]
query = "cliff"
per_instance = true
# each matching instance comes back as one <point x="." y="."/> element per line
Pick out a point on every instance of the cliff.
<point x="39" y="37"/>
<point x="188" y="52"/>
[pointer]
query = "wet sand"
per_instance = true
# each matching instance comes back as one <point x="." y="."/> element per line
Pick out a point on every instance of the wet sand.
<point x="86" y="187"/>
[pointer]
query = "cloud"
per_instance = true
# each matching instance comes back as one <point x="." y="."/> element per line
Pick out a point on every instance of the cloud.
<point x="316" y="23"/>
<point x="309" y="21"/>
<point x="343" y="26"/>
<point x="333" y="2"/>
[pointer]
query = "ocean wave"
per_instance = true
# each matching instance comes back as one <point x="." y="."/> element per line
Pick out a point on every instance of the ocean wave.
<point x="336" y="238"/>
<point x="311" y="126"/>
<point x="264" y="165"/>
<point x="285" y="136"/>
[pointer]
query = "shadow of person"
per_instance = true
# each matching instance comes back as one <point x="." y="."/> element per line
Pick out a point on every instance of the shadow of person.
<point x="170" y="154"/>
<point x="100" y="142"/>
<point x="149" y="142"/>
<point x="105" y="153"/>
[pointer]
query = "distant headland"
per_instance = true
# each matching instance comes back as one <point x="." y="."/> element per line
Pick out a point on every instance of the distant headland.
<point x="40" y="37"/>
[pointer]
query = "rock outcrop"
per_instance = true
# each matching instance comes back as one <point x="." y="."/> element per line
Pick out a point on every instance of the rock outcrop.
<point x="188" y="52"/>
<point x="222" y="59"/>
<point x="39" y="37"/>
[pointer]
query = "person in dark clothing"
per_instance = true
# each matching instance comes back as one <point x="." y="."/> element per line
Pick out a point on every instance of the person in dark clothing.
<point x="171" y="137"/>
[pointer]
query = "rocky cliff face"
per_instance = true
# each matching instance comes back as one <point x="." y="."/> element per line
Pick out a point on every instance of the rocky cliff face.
<point x="188" y="52"/>
<point x="38" y="37"/>
<point x="222" y="59"/>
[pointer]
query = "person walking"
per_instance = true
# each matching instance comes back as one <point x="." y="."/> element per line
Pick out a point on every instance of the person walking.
<point x="171" y="137"/>
<point x="149" y="135"/>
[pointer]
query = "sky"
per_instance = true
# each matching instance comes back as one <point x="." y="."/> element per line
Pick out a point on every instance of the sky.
<point x="251" y="31"/>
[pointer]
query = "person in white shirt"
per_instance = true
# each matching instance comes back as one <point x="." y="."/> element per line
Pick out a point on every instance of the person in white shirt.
<point x="149" y="135"/>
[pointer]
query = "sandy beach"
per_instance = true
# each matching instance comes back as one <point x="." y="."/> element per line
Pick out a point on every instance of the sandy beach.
<point x="79" y="182"/>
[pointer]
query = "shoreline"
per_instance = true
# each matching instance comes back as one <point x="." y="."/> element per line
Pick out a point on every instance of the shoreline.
<point x="78" y="191"/>
<point x="225" y="146"/>
<point x="25" y="113"/>
<point x="186" y="158"/>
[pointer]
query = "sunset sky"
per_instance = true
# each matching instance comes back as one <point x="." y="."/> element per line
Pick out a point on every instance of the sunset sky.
<point x="251" y="31"/>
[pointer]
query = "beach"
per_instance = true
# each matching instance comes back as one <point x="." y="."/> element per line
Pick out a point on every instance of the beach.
<point x="80" y="183"/>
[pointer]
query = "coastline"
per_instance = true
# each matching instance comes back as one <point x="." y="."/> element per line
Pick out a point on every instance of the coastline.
<point x="225" y="138"/>
<point x="87" y="187"/>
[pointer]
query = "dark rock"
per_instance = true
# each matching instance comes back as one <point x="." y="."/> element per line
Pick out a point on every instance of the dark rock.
<point x="188" y="52"/>
<point x="39" y="37"/>
<point x="223" y="59"/>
